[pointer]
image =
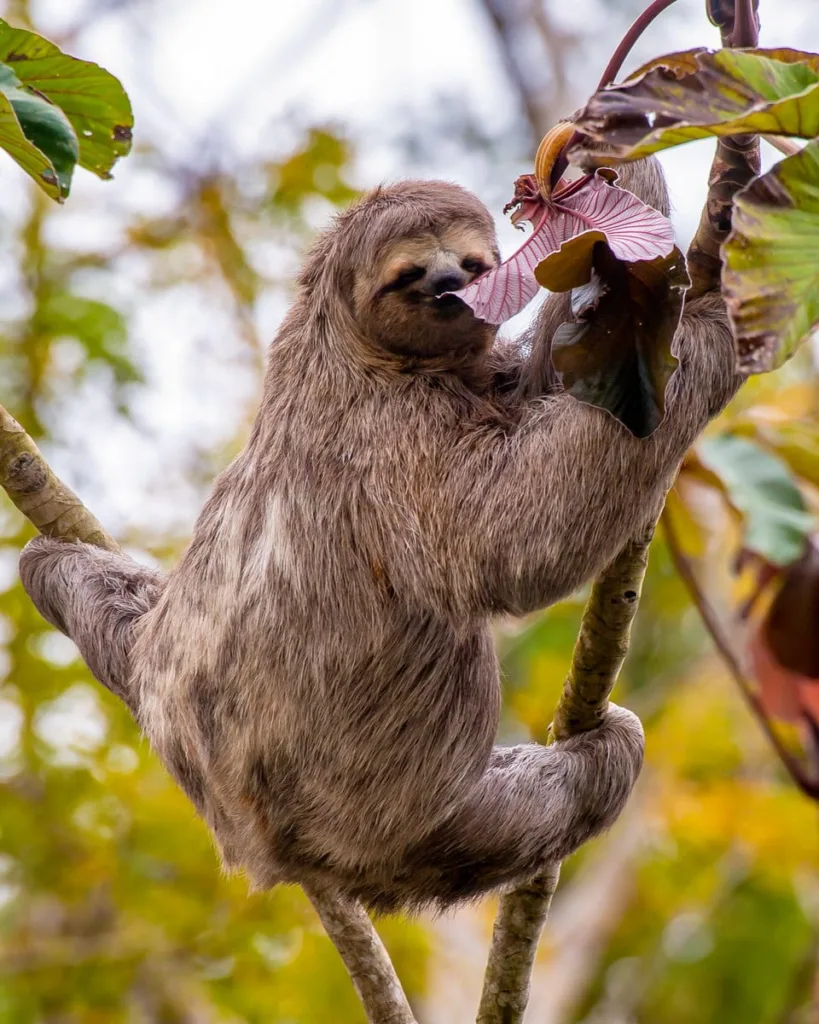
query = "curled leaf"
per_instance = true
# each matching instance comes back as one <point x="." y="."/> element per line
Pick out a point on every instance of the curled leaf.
<point x="48" y="150"/>
<point x="784" y="647"/>
<point x="550" y="148"/>
<point x="594" y="206"/>
<point x="769" y="274"/>
<point x="33" y="161"/>
<point x="697" y="94"/>
<point x="617" y="352"/>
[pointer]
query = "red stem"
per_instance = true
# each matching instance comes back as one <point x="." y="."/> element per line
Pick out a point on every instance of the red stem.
<point x="612" y="68"/>
<point x="630" y="38"/>
<point x="745" y="32"/>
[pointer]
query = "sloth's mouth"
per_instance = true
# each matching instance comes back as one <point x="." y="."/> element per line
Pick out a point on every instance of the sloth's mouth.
<point x="448" y="304"/>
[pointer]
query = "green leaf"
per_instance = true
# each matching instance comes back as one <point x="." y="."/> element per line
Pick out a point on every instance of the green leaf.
<point x="731" y="92"/>
<point x="617" y="352"/>
<point x="760" y="485"/>
<point x="92" y="99"/>
<point x="25" y="153"/>
<point x="770" y="275"/>
<point x="47" y="128"/>
<point x="99" y="328"/>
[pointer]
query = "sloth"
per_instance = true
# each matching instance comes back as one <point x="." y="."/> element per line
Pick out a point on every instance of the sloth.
<point x="318" y="672"/>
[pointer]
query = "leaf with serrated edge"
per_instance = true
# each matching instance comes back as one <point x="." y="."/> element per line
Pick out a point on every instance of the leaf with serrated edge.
<point x="93" y="100"/>
<point x="732" y="92"/>
<point x="770" y="274"/>
<point x="33" y="162"/>
<point x="633" y="231"/>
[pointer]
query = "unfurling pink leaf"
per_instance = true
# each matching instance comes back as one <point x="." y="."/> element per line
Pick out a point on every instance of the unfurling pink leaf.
<point x="634" y="232"/>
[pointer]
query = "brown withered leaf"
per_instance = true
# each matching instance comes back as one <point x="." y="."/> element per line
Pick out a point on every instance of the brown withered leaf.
<point x="791" y="627"/>
<point x="616" y="353"/>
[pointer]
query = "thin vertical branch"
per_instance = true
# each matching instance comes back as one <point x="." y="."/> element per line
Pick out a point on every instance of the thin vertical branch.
<point x="604" y="633"/>
<point x="600" y="649"/>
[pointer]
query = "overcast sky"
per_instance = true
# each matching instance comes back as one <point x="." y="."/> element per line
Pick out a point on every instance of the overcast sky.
<point x="198" y="70"/>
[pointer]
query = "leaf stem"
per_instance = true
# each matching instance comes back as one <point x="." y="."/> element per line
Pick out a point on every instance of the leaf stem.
<point x="634" y="32"/>
<point x="785" y="146"/>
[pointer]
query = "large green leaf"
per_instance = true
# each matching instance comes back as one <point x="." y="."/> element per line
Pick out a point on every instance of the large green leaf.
<point x="770" y="273"/>
<point x="92" y="99"/>
<point x="731" y="92"/>
<point x="760" y="485"/>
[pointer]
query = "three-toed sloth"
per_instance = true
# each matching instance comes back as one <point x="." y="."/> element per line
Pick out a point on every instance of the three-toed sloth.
<point x="318" y="672"/>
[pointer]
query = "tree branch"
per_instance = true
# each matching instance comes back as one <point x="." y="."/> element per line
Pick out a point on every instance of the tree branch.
<point x="601" y="646"/>
<point x="731" y="658"/>
<point x="44" y="500"/>
<point x="521" y="916"/>
<point x="57" y="512"/>
<point x="603" y="640"/>
<point x="364" y="956"/>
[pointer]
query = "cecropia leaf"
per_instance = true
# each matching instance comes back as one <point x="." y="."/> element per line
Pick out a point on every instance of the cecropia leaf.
<point x="633" y="231"/>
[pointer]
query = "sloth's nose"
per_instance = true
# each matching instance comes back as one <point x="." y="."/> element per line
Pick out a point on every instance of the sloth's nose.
<point x="445" y="281"/>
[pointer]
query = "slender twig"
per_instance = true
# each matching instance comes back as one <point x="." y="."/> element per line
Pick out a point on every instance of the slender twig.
<point x="785" y="146"/>
<point x="520" y="921"/>
<point x="634" y="32"/>
<point x="725" y="648"/>
<point x="57" y="512"/>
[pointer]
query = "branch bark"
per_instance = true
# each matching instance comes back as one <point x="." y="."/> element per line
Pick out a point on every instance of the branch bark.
<point x="364" y="956"/>
<point x="44" y="500"/>
<point x="56" y="511"/>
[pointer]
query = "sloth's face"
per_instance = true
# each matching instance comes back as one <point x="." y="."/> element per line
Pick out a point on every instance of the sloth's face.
<point x="403" y="303"/>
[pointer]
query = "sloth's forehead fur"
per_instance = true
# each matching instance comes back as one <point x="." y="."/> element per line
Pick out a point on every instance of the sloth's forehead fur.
<point x="406" y="219"/>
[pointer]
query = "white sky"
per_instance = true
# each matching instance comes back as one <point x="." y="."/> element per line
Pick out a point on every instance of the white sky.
<point x="240" y="67"/>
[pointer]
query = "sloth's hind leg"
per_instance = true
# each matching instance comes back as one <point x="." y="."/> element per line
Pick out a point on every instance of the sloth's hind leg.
<point x="534" y="805"/>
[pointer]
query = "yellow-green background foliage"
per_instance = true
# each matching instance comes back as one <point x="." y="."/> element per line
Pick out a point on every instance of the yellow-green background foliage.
<point x="702" y="907"/>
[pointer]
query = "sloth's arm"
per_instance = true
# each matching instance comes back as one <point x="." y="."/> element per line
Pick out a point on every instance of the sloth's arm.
<point x="95" y="597"/>
<point x="519" y="520"/>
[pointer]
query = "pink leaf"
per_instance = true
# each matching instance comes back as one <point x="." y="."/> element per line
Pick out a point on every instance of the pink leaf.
<point x="633" y="230"/>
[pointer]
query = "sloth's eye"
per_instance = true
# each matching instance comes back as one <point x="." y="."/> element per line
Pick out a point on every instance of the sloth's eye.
<point x="474" y="266"/>
<point x="406" y="277"/>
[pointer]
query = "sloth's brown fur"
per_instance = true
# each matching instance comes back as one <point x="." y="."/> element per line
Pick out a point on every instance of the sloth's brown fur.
<point x="318" y="672"/>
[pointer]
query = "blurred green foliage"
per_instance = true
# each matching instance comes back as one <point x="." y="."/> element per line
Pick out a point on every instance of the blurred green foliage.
<point x="112" y="906"/>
